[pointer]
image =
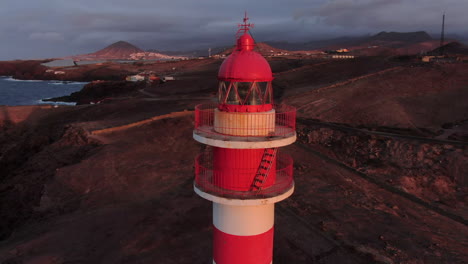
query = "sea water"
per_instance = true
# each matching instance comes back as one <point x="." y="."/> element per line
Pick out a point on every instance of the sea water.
<point x="31" y="92"/>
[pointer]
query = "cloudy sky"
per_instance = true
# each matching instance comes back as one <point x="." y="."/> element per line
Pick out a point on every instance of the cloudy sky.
<point x="53" y="28"/>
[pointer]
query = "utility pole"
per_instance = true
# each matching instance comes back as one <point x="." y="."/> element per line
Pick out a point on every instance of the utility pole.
<point x="442" y="36"/>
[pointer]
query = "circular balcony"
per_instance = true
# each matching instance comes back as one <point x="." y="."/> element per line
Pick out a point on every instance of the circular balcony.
<point x="209" y="180"/>
<point x="274" y="128"/>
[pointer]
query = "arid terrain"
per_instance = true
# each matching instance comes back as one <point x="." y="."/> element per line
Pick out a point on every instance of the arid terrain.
<point x="381" y="165"/>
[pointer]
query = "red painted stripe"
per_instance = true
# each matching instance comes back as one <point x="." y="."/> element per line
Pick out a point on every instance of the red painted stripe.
<point x="235" y="169"/>
<point x="231" y="249"/>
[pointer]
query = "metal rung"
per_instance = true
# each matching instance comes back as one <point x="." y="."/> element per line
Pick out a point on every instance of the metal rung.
<point x="270" y="152"/>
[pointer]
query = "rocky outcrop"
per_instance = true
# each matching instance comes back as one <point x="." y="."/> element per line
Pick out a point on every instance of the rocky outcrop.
<point x="23" y="70"/>
<point x="430" y="171"/>
<point x="98" y="91"/>
<point x="29" y="157"/>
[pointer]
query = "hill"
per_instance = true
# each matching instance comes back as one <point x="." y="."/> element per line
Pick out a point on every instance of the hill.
<point x="123" y="50"/>
<point x="405" y="37"/>
<point x="192" y="53"/>
<point x="452" y="48"/>
<point x="113" y="182"/>
<point x="387" y="39"/>
<point x="120" y="49"/>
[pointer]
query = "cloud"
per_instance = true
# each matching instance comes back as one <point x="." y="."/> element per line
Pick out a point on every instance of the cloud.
<point x="48" y="36"/>
<point x="88" y="25"/>
<point x="388" y="15"/>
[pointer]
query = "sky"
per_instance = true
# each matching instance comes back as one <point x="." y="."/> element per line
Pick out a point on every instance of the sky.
<point x="54" y="28"/>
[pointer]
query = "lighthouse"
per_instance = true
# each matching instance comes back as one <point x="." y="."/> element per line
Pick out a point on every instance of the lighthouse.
<point x="241" y="169"/>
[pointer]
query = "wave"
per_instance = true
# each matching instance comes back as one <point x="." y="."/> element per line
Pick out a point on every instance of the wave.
<point x="55" y="82"/>
<point x="56" y="102"/>
<point x="11" y="79"/>
<point x="66" y="83"/>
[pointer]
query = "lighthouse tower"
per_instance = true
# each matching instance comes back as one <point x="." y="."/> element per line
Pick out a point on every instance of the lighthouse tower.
<point x="242" y="170"/>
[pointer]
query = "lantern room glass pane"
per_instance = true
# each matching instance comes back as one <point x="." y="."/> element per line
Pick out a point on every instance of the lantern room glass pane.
<point x="233" y="97"/>
<point x="245" y="93"/>
<point x="263" y="87"/>
<point x="248" y="93"/>
<point x="268" y="94"/>
<point x="255" y="96"/>
<point x="243" y="88"/>
<point x="222" y="91"/>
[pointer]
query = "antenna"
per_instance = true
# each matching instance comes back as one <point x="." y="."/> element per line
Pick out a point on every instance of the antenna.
<point x="244" y="27"/>
<point x="442" y="35"/>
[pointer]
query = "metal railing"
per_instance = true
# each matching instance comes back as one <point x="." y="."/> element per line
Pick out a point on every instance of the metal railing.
<point x="278" y="123"/>
<point x="209" y="180"/>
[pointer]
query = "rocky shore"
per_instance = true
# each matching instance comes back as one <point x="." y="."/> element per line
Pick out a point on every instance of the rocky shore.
<point x="98" y="91"/>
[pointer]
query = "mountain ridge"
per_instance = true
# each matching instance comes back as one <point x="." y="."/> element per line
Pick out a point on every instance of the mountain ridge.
<point x="123" y="50"/>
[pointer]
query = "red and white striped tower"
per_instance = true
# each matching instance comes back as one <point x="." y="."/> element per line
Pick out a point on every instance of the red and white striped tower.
<point x="241" y="171"/>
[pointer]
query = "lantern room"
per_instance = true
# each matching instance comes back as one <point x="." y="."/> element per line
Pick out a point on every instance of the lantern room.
<point x="245" y="78"/>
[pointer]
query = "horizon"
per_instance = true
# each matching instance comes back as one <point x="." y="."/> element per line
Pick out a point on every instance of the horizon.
<point x="30" y="31"/>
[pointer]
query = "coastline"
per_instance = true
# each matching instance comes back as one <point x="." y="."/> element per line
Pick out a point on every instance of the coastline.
<point x="12" y="79"/>
<point x="46" y="102"/>
<point x="17" y="92"/>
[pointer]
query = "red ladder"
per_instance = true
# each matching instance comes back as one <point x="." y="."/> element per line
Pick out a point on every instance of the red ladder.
<point x="265" y="165"/>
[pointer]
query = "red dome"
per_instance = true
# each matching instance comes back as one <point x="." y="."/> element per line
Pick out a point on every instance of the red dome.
<point x="244" y="64"/>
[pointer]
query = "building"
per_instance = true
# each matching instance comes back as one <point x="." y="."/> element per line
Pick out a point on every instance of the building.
<point x="135" y="78"/>
<point x="427" y="58"/>
<point x="440" y="59"/>
<point x="342" y="56"/>
<point x="242" y="171"/>
<point x="143" y="76"/>
<point x="168" y="78"/>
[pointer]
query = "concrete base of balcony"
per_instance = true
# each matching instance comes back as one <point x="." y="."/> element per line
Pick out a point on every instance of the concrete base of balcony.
<point x="245" y="200"/>
<point x="239" y="142"/>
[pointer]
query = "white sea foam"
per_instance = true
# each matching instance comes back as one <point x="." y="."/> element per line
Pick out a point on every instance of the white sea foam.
<point x="66" y="83"/>
<point x="56" y="103"/>
<point x="11" y="79"/>
<point x="55" y="82"/>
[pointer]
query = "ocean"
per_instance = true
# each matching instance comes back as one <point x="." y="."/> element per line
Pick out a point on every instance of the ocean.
<point x="19" y="92"/>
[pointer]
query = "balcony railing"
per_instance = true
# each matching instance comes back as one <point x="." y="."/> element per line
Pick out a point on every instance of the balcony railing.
<point x="280" y="122"/>
<point x="209" y="180"/>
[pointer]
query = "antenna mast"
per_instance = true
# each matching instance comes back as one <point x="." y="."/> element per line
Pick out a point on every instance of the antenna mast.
<point x="442" y="35"/>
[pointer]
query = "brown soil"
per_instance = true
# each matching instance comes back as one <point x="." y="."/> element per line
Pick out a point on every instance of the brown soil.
<point x="405" y="97"/>
<point x="363" y="195"/>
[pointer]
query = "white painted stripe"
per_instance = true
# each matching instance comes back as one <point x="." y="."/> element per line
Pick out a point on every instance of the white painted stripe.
<point x="224" y="141"/>
<point x="244" y="124"/>
<point x="243" y="220"/>
<point x="244" y="202"/>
